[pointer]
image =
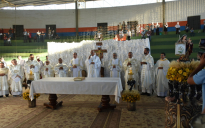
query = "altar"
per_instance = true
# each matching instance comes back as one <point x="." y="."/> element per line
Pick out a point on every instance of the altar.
<point x="67" y="85"/>
<point x="65" y="51"/>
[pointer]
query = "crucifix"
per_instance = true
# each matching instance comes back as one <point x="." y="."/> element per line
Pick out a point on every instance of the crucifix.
<point x="104" y="104"/>
<point x="99" y="52"/>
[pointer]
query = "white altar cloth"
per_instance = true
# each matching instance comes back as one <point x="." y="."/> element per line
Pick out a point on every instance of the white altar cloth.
<point x="66" y="85"/>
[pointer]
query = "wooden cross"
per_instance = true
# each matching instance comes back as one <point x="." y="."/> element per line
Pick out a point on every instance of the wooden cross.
<point x="99" y="52"/>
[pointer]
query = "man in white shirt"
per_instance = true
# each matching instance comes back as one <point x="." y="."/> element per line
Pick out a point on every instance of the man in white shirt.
<point x="38" y="36"/>
<point x="40" y="63"/>
<point x="93" y="65"/>
<point x="61" y="70"/>
<point x="115" y="66"/>
<point x="47" y="70"/>
<point x="4" y="87"/>
<point x="16" y="76"/>
<point x="177" y="26"/>
<point x="129" y="34"/>
<point x="147" y="73"/>
<point x="20" y="61"/>
<point x="121" y="34"/>
<point x="76" y="66"/>
<point x="32" y="69"/>
<point x="2" y="60"/>
<point x="25" y="34"/>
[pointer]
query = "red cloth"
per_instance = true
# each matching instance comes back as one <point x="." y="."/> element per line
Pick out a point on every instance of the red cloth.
<point x="29" y="36"/>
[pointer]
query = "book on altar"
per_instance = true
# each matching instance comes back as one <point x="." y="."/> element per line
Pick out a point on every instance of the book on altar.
<point x="79" y="78"/>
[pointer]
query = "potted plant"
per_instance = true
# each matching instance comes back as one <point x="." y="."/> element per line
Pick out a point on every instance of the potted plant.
<point x="32" y="103"/>
<point x="131" y="97"/>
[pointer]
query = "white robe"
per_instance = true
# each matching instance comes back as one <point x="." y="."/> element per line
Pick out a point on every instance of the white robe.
<point x="21" y="62"/>
<point x="49" y="73"/>
<point x="161" y="80"/>
<point x="115" y="72"/>
<point x="76" y="72"/>
<point x="35" y="70"/>
<point x="135" y="68"/>
<point x="16" y="82"/>
<point x="61" y="73"/>
<point x="4" y="87"/>
<point x="147" y="74"/>
<point x="93" y="69"/>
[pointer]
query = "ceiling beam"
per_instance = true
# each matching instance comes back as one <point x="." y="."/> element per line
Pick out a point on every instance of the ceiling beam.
<point x="9" y="3"/>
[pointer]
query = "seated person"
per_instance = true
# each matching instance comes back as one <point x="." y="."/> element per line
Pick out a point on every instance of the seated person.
<point x="35" y="38"/>
<point x="121" y="34"/>
<point x="124" y="38"/>
<point x="5" y="39"/>
<point x="192" y="32"/>
<point x="117" y="38"/>
<point x="143" y="34"/>
<point x="99" y="36"/>
<point x="57" y="37"/>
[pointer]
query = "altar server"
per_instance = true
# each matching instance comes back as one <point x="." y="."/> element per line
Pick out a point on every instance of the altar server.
<point x="134" y="65"/>
<point x="47" y="70"/>
<point x="161" y="68"/>
<point x="76" y="66"/>
<point x="61" y="70"/>
<point x="115" y="66"/>
<point x="16" y="76"/>
<point x="147" y="73"/>
<point x="32" y="67"/>
<point x="93" y="65"/>
<point x="4" y="87"/>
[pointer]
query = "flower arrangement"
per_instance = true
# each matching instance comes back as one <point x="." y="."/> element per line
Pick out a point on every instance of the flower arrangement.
<point x="180" y="71"/>
<point x="26" y="95"/>
<point x="130" y="96"/>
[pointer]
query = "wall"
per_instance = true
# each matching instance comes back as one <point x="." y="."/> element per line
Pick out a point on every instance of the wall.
<point x="88" y="18"/>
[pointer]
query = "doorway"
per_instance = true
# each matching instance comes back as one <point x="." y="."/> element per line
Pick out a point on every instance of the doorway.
<point x="103" y="28"/>
<point x="18" y="30"/>
<point x="194" y="22"/>
<point x="51" y="29"/>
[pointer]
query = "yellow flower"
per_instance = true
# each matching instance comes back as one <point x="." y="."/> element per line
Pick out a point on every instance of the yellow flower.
<point x="171" y="79"/>
<point x="180" y="71"/>
<point x="173" y="76"/>
<point x="170" y="68"/>
<point x="184" y="74"/>
<point x="179" y="79"/>
<point x="187" y="70"/>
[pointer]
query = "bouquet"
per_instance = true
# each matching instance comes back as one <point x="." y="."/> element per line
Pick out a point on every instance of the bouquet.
<point x="26" y="95"/>
<point x="130" y="96"/>
<point x="180" y="71"/>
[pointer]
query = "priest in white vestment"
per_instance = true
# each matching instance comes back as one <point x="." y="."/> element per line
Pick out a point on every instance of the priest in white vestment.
<point x="93" y="65"/>
<point x="161" y="68"/>
<point x="115" y="66"/>
<point x="61" y="70"/>
<point x="131" y="62"/>
<point x="2" y="60"/>
<point x="16" y="75"/>
<point x="4" y="87"/>
<point x="76" y="66"/>
<point x="20" y="61"/>
<point x="32" y="66"/>
<point x="47" y="70"/>
<point x="147" y="73"/>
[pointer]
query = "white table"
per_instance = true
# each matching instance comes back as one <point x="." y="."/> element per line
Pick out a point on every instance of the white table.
<point x="66" y="85"/>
